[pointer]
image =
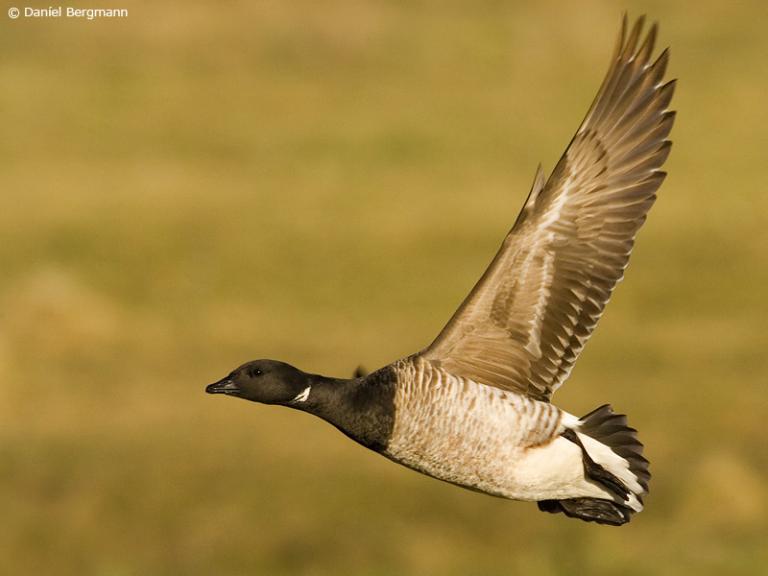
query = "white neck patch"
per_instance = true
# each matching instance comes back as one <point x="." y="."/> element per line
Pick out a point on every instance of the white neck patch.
<point x="302" y="397"/>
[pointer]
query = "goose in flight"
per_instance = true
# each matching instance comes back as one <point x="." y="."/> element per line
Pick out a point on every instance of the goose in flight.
<point x="474" y="407"/>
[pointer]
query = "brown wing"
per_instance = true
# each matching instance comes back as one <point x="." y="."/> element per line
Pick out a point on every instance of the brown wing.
<point x="525" y="322"/>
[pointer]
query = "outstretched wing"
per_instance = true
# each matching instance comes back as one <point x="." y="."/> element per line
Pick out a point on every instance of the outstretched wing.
<point x="525" y="322"/>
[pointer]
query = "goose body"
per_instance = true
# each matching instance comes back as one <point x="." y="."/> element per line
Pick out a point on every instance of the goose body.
<point x="484" y="438"/>
<point x="474" y="407"/>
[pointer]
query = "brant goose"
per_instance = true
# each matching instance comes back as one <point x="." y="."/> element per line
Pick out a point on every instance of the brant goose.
<point x="474" y="407"/>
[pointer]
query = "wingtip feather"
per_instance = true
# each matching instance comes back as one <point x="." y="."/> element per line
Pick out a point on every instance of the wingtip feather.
<point x="646" y="49"/>
<point x="634" y="36"/>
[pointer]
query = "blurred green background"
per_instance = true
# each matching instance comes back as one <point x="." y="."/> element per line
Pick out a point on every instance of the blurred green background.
<point x="322" y="182"/>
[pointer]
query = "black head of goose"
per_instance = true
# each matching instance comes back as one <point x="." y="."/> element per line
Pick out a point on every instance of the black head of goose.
<point x="361" y="407"/>
<point x="265" y="381"/>
<point x="474" y="407"/>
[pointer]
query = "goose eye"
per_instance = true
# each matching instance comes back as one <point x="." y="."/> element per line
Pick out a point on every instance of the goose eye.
<point x="254" y="372"/>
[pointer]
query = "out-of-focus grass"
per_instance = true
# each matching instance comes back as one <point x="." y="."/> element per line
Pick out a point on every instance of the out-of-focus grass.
<point x="322" y="183"/>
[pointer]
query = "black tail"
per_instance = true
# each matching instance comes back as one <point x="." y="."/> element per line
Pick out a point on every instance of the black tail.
<point x="589" y="510"/>
<point x="611" y="430"/>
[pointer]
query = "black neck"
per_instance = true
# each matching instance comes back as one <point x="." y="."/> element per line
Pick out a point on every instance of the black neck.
<point x="362" y="408"/>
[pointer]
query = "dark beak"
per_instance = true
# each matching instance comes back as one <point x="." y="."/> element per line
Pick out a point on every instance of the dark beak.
<point x="223" y="386"/>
